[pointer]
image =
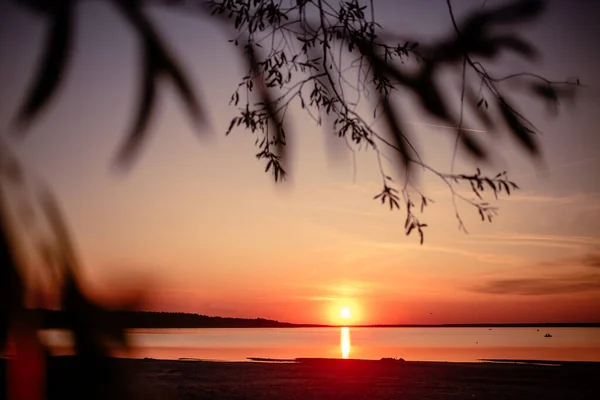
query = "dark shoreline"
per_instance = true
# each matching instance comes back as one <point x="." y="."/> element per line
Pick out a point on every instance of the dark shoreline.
<point x="322" y="361"/>
<point x="55" y="319"/>
<point x="293" y="326"/>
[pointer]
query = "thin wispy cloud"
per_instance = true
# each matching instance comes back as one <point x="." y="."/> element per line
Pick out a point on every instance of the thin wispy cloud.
<point x="520" y="239"/>
<point x="335" y="291"/>
<point x="591" y="260"/>
<point x="566" y="281"/>
<point x="477" y="255"/>
<point x="343" y="210"/>
<point x="593" y="199"/>
<point x="540" y="286"/>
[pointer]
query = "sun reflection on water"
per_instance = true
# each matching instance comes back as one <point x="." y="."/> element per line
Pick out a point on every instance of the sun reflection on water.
<point x="345" y="342"/>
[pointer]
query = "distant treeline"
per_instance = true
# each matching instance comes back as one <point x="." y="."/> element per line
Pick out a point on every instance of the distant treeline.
<point x="508" y="325"/>
<point x="53" y="319"/>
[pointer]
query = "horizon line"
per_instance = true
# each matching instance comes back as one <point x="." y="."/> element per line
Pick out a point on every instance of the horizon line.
<point x="375" y="325"/>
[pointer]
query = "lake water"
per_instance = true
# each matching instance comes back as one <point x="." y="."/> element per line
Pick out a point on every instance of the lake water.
<point x="424" y="344"/>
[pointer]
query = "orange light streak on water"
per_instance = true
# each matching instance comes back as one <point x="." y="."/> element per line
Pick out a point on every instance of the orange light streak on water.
<point x="345" y="342"/>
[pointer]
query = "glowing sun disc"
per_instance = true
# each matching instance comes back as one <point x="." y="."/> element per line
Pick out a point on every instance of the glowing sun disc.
<point x="345" y="313"/>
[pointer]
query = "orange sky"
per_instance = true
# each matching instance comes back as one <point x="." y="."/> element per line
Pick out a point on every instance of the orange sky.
<point x="199" y="226"/>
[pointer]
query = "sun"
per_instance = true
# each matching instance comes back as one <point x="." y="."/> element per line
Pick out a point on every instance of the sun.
<point x="345" y="313"/>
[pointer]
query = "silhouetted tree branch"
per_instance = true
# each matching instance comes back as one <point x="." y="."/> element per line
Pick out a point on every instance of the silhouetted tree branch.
<point x="330" y="58"/>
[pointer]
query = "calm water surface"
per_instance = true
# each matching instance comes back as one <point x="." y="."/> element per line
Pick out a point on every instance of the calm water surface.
<point x="425" y="344"/>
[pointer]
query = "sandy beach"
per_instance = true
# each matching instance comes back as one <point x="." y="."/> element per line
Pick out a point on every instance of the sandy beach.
<point x="344" y="379"/>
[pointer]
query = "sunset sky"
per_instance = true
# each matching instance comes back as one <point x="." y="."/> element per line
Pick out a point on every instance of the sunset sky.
<point x="199" y="224"/>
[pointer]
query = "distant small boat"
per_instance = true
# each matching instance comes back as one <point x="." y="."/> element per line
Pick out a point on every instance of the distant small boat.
<point x="547" y="335"/>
